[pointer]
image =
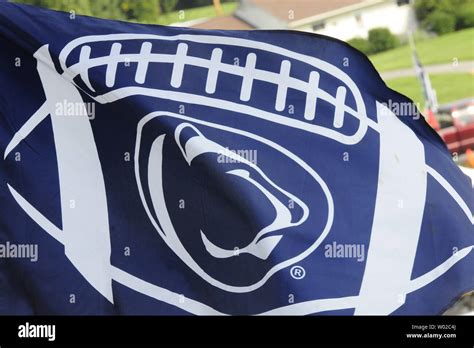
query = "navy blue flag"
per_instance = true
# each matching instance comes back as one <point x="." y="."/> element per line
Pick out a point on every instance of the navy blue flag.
<point x="160" y="170"/>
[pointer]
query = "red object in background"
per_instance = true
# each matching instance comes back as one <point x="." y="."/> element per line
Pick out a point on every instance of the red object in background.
<point x="432" y="120"/>
<point x="470" y="158"/>
<point x="455" y="124"/>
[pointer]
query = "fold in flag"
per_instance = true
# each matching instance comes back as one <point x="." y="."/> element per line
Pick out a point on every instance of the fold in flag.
<point x="161" y="170"/>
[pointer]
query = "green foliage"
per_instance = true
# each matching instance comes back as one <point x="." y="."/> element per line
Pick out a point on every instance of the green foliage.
<point x="465" y="16"/>
<point x="193" y="3"/>
<point x="107" y="9"/>
<point x="80" y="7"/>
<point x="182" y="15"/>
<point x="361" y="44"/>
<point x="423" y="8"/>
<point x="440" y="22"/>
<point x="439" y="15"/>
<point x="141" y="10"/>
<point x="381" y="39"/>
<point x="137" y="10"/>
<point x="148" y="11"/>
<point x="183" y="4"/>
<point x="168" y="5"/>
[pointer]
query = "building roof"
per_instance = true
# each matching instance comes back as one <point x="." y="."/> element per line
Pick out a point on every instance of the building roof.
<point x="226" y="22"/>
<point x="301" y="8"/>
<point x="282" y="14"/>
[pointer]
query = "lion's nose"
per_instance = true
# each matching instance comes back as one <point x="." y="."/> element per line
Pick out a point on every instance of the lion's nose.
<point x="193" y="143"/>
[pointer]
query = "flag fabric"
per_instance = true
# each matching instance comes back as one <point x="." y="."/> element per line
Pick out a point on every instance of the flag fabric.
<point x="159" y="170"/>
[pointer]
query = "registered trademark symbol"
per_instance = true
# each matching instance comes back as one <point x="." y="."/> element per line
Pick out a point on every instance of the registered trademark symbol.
<point x="297" y="272"/>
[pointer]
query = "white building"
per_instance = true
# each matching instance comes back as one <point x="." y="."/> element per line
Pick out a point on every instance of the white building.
<point x="343" y="19"/>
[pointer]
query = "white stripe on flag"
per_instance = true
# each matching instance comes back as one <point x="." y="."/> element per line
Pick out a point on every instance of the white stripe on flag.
<point x="399" y="207"/>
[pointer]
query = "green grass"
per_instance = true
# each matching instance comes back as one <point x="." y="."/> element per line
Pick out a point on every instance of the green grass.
<point x="449" y="87"/>
<point x="195" y="13"/>
<point x="438" y="50"/>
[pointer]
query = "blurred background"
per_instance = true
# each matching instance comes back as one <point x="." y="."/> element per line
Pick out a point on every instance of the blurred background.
<point x="422" y="48"/>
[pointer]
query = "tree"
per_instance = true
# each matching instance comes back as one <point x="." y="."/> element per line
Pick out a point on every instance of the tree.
<point x="423" y="8"/>
<point x="107" y="9"/>
<point x="440" y="22"/>
<point x="141" y="10"/>
<point x="168" y="5"/>
<point x="381" y="39"/>
<point x="361" y="44"/>
<point x="434" y="14"/>
<point x="80" y="7"/>
<point x="465" y="16"/>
